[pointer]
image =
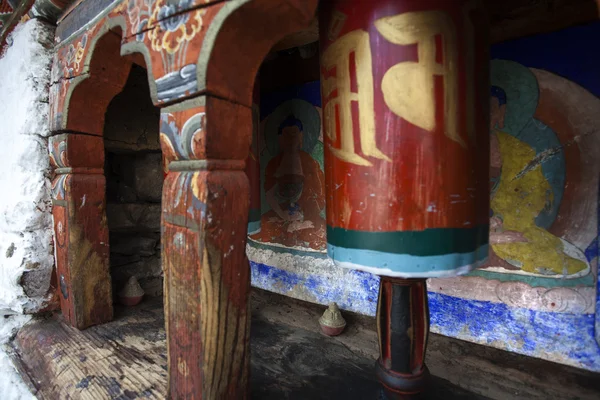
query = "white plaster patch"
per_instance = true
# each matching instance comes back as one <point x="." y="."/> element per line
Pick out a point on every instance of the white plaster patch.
<point x="465" y="269"/>
<point x="574" y="300"/>
<point x="25" y="206"/>
<point x="343" y="285"/>
<point x="12" y="386"/>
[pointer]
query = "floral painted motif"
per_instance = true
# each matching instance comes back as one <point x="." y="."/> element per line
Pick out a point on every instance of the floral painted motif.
<point x="173" y="28"/>
<point x="138" y="12"/>
<point x="167" y="29"/>
<point x="74" y="56"/>
<point x="58" y="153"/>
<point x="59" y="187"/>
<point x="167" y="15"/>
<point x="176" y="30"/>
<point x="66" y="64"/>
<point x="184" y="184"/>
<point x="184" y="143"/>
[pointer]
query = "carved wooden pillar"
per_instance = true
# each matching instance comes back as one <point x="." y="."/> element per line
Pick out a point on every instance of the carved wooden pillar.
<point x="86" y="74"/>
<point x="80" y="230"/>
<point x="205" y="140"/>
<point x="207" y="277"/>
<point x="405" y="86"/>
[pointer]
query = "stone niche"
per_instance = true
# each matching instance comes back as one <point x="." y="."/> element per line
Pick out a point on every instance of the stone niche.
<point x="134" y="178"/>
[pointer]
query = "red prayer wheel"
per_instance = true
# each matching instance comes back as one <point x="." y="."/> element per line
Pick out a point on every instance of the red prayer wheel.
<point x="405" y="89"/>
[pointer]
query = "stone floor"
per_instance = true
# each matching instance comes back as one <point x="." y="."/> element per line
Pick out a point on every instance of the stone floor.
<point x="291" y="359"/>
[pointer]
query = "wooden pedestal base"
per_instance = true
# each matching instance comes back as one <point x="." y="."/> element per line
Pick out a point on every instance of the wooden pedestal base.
<point x="402" y="327"/>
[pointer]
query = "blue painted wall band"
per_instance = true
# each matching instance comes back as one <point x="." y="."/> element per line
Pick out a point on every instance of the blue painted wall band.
<point x="407" y="264"/>
<point x="547" y="335"/>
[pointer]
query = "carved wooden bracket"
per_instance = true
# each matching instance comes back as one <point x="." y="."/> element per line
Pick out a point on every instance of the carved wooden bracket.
<point x="80" y="230"/>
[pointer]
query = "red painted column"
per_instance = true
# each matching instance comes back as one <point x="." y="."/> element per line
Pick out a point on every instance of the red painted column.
<point x="253" y="165"/>
<point x="80" y="229"/>
<point x="204" y="229"/>
<point x="405" y="87"/>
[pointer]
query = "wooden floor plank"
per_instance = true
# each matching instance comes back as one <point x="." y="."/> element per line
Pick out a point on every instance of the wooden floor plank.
<point x="291" y="359"/>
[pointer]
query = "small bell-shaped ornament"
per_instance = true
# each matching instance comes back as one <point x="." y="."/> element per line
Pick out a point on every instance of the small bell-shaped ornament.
<point x="132" y="293"/>
<point x="332" y="323"/>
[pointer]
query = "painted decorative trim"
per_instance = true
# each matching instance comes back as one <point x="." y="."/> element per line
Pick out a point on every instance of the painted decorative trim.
<point x="206" y="165"/>
<point x="304" y="266"/>
<point x="314" y="279"/>
<point x="561" y="337"/>
<point x="100" y="8"/>
<point x="177" y="84"/>
<point x="539" y="322"/>
<point x="408" y="265"/>
<point x="575" y="300"/>
<point x="210" y="39"/>
<point x="424" y="243"/>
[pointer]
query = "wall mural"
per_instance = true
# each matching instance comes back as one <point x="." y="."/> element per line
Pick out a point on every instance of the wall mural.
<point x="528" y="180"/>
<point x="537" y="293"/>
<point x="544" y="178"/>
<point x="292" y="177"/>
<point x="542" y="214"/>
<point x="543" y="220"/>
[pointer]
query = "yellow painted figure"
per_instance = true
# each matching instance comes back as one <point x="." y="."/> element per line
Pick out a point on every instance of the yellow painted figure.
<point x="519" y="196"/>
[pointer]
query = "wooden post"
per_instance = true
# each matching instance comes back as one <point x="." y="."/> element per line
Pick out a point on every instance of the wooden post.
<point x="253" y="164"/>
<point x="83" y="83"/>
<point x="80" y="230"/>
<point x="403" y="328"/>
<point x="207" y="276"/>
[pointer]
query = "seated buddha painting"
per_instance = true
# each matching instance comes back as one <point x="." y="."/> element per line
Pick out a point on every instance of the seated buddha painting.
<point x="292" y="177"/>
<point x="543" y="173"/>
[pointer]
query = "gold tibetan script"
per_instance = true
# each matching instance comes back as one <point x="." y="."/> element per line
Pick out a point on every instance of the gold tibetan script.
<point x="408" y="87"/>
<point x="338" y="56"/>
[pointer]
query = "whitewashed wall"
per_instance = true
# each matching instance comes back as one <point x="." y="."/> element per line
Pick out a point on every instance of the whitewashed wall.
<point x="25" y="206"/>
<point x="26" y="257"/>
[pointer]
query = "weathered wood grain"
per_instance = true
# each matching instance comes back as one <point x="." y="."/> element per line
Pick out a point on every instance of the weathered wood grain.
<point x="80" y="229"/>
<point x="124" y="359"/>
<point x="207" y="276"/>
<point x="204" y="138"/>
<point x="229" y="63"/>
<point x="206" y="199"/>
<point x="108" y="73"/>
<point x="291" y="359"/>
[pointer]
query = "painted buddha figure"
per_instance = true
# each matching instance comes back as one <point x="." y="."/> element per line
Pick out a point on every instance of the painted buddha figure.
<point x="520" y="191"/>
<point x="294" y="189"/>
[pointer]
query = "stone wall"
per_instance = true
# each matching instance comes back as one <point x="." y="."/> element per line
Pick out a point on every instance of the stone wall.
<point x="134" y="179"/>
